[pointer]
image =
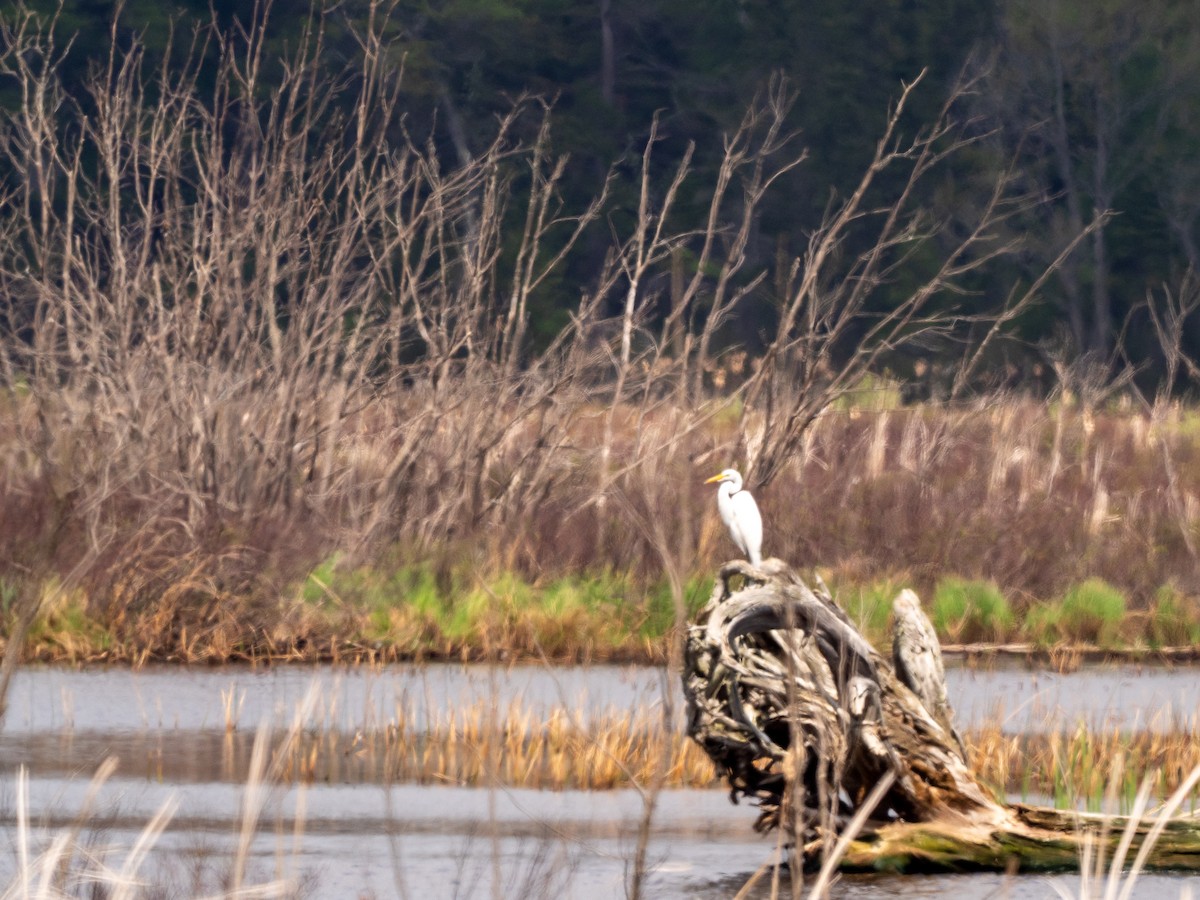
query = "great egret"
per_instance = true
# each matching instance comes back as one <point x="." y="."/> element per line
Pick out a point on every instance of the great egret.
<point x="740" y="514"/>
<point x="917" y="656"/>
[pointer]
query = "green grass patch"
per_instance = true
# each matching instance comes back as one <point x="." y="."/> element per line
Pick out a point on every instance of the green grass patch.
<point x="870" y="605"/>
<point x="1092" y="612"/>
<point x="420" y="610"/>
<point x="65" y="622"/>
<point x="1041" y="625"/>
<point x="8" y="596"/>
<point x="1173" y="619"/>
<point x="660" y="605"/>
<point x="971" y="610"/>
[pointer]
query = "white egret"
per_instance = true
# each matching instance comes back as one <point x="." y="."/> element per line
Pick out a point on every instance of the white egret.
<point x="740" y="514"/>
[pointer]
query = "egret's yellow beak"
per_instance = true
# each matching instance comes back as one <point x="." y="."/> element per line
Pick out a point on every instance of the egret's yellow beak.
<point x="717" y="477"/>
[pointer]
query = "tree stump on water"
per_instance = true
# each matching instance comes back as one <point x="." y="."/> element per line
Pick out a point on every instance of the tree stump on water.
<point x="803" y="716"/>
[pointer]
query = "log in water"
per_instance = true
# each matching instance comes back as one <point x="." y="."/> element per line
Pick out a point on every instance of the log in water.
<point x="805" y="718"/>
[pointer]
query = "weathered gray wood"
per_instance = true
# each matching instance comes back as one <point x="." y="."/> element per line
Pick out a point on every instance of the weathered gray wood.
<point x="917" y="657"/>
<point x="804" y="717"/>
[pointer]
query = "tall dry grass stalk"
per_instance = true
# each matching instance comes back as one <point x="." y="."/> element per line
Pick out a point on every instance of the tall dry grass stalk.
<point x="66" y="864"/>
<point x="246" y="330"/>
<point x="1080" y="765"/>
<point x="1117" y="883"/>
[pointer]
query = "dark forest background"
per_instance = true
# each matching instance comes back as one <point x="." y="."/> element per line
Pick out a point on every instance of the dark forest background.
<point x="378" y="295"/>
<point x="1094" y="105"/>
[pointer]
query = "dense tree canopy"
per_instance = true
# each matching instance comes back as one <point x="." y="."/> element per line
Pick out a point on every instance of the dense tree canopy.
<point x="1093" y="104"/>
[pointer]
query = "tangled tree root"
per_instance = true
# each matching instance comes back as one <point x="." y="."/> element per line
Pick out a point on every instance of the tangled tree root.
<point x="802" y="715"/>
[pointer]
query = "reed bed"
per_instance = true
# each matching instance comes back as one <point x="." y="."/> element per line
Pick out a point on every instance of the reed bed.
<point x="477" y="746"/>
<point x="1034" y="500"/>
<point x="514" y="745"/>
<point x="1071" y="769"/>
<point x="213" y="400"/>
<point x="1075" y="768"/>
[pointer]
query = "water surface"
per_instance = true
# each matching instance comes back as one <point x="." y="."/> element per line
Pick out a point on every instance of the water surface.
<point x="348" y="835"/>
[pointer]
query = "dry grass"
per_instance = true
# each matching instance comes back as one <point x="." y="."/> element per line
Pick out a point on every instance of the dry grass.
<point x="511" y="744"/>
<point x="1076" y="768"/>
<point x="480" y="746"/>
<point x="906" y="496"/>
<point x="1037" y="497"/>
<point x="621" y="749"/>
<point x="249" y="334"/>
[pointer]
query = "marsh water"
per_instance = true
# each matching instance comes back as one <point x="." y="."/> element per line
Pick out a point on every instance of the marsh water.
<point x="183" y="737"/>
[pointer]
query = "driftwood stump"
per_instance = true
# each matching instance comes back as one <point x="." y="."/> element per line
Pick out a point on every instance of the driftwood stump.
<point x="803" y="716"/>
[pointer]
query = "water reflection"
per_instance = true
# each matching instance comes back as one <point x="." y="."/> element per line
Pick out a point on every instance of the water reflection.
<point x="156" y="698"/>
<point x="189" y="734"/>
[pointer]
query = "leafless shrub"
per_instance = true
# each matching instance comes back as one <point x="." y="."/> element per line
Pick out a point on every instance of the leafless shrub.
<point x="218" y="291"/>
<point x="828" y="336"/>
<point x="246" y="330"/>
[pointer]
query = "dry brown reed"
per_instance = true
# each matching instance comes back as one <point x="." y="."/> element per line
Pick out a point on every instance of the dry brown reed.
<point x="480" y="746"/>
<point x="1036" y="497"/>
<point x="246" y="334"/>
<point x="935" y="505"/>
<point x="514" y="745"/>
<point x="1075" y="768"/>
<point x="621" y="749"/>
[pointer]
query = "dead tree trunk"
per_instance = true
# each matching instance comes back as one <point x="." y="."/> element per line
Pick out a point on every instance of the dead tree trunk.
<point x="803" y="716"/>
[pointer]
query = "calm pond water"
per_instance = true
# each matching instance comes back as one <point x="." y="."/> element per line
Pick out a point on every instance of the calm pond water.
<point x="347" y="838"/>
<point x="51" y="699"/>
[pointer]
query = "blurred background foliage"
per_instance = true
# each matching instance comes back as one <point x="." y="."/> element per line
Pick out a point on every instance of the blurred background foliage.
<point x="1093" y="104"/>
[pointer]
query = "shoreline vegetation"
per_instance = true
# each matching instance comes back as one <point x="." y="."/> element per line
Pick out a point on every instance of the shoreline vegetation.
<point x="1081" y="537"/>
<point x="565" y="623"/>
<point x="295" y="390"/>
<point x="1071" y="765"/>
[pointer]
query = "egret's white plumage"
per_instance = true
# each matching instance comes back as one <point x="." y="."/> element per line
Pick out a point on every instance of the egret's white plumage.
<point x="740" y="514"/>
